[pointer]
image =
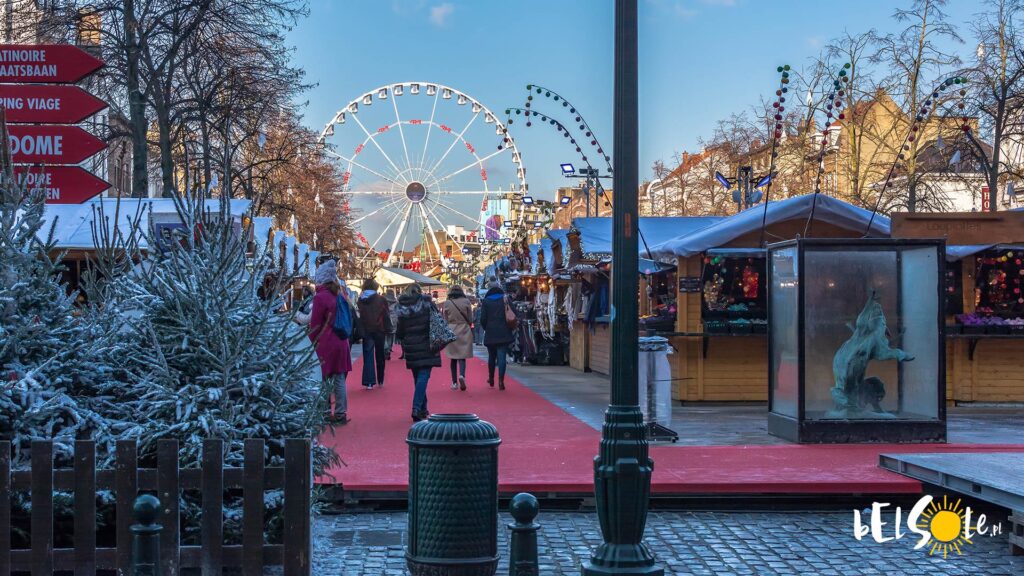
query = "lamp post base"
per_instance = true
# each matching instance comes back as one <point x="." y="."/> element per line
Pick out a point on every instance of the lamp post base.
<point x="622" y="486"/>
<point x="627" y="560"/>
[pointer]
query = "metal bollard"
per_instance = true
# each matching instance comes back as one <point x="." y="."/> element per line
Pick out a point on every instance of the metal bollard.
<point x="146" y="536"/>
<point x="522" y="558"/>
<point x="453" y="497"/>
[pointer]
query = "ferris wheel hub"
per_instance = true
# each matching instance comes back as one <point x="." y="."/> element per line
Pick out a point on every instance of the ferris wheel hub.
<point x="416" y="192"/>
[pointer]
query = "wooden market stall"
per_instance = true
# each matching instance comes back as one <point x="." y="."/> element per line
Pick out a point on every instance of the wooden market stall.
<point x="124" y="219"/>
<point x="985" y="300"/>
<point x="721" y="330"/>
<point x="588" y="295"/>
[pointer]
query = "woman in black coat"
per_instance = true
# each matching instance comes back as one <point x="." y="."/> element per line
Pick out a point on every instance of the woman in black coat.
<point x="413" y="331"/>
<point x="497" y="333"/>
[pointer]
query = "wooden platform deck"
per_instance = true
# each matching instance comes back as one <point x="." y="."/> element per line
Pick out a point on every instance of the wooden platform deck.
<point x="995" y="477"/>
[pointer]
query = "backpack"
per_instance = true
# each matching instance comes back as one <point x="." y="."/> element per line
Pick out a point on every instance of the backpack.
<point x="344" y="323"/>
<point x="441" y="333"/>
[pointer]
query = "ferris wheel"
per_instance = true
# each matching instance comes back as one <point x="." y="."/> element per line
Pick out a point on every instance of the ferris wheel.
<point x="419" y="165"/>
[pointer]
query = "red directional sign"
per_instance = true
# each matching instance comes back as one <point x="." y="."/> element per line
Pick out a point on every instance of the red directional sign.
<point x="52" y="144"/>
<point x="45" y="104"/>
<point x="62" y="184"/>
<point x="42" y="63"/>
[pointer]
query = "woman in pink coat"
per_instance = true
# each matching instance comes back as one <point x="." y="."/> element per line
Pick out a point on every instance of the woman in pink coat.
<point x="334" y="353"/>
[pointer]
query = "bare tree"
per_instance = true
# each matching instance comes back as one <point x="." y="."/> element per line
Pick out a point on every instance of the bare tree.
<point x="997" y="93"/>
<point x="915" y="64"/>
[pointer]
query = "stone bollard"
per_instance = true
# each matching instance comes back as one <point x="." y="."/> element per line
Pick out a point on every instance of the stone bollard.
<point x="522" y="557"/>
<point x="453" y="496"/>
<point x="146" y="536"/>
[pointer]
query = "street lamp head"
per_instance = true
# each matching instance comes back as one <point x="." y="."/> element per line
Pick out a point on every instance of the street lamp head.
<point x="527" y="200"/>
<point x="568" y="169"/>
<point x="722" y="180"/>
<point x="565" y="200"/>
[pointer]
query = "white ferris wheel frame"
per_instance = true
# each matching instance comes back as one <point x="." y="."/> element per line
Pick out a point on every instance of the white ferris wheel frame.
<point x="399" y="176"/>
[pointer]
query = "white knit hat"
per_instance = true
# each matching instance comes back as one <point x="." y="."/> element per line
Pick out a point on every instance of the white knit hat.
<point x="326" y="272"/>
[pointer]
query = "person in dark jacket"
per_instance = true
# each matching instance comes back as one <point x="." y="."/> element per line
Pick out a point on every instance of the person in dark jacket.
<point x="375" y="320"/>
<point x="413" y="331"/>
<point x="497" y="333"/>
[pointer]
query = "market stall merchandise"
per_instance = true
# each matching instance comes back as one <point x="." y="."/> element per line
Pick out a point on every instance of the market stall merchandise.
<point x="985" y="323"/>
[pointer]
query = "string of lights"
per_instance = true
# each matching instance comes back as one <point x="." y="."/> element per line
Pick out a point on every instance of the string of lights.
<point x="528" y="111"/>
<point x="584" y="126"/>
<point x="833" y="109"/>
<point x="928" y="108"/>
<point x="779" y="106"/>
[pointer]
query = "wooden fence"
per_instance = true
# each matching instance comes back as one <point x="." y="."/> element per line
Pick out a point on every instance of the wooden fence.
<point x="167" y="480"/>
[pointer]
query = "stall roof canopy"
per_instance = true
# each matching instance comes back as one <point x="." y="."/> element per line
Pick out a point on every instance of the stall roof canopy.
<point x="596" y="233"/>
<point x="74" y="221"/>
<point x="827" y="209"/>
<point x="534" y="249"/>
<point x="549" y="256"/>
<point x="403" y="277"/>
<point x="556" y="235"/>
<point x="954" y="253"/>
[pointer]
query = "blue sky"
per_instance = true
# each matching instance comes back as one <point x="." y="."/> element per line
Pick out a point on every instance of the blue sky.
<point x="700" y="60"/>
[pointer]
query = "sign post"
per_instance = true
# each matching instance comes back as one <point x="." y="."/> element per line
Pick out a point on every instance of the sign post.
<point x="61" y="184"/>
<point x="46" y="63"/>
<point x="41" y="108"/>
<point x="49" y="144"/>
<point x="47" y="104"/>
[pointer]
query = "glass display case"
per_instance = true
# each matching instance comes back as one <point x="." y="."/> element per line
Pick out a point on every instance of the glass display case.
<point x="856" y="349"/>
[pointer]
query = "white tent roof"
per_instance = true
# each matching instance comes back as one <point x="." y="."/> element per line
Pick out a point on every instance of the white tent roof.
<point x="954" y="253"/>
<point x="827" y="209"/>
<point x="596" y="233"/>
<point x="402" y="277"/>
<point x="74" y="221"/>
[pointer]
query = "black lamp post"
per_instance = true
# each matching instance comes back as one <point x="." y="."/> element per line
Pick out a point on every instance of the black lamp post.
<point x="622" y="469"/>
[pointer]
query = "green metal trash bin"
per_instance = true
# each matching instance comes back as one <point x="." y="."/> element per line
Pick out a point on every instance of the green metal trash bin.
<point x="453" y="496"/>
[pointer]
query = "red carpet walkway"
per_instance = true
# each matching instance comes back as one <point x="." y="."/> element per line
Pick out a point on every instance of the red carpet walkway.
<point x="544" y="449"/>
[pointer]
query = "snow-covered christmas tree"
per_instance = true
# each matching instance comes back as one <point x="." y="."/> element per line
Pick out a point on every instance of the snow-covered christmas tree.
<point x="206" y="356"/>
<point x="51" y="361"/>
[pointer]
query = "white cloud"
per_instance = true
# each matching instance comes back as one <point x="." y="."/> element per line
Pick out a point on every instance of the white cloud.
<point x="677" y="8"/>
<point x="440" y="14"/>
<point x="683" y="11"/>
<point x="407" y="7"/>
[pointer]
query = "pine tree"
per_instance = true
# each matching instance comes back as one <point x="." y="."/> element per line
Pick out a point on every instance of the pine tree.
<point x="205" y="355"/>
<point x="50" y="360"/>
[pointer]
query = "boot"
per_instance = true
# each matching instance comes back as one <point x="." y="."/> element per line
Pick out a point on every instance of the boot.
<point x="490" y="380"/>
<point x="501" y="382"/>
<point x="462" y="383"/>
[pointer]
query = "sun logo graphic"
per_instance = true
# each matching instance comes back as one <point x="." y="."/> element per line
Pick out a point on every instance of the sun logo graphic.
<point x="944" y="527"/>
<point x="948" y="525"/>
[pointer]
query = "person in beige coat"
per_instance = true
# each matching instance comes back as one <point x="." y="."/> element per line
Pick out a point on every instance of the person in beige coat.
<point x="458" y="311"/>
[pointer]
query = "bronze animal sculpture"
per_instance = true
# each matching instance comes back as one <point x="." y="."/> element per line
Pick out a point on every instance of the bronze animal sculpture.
<point x="853" y="394"/>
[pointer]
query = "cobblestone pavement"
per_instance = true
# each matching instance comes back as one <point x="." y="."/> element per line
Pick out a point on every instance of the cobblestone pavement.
<point x="708" y="543"/>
